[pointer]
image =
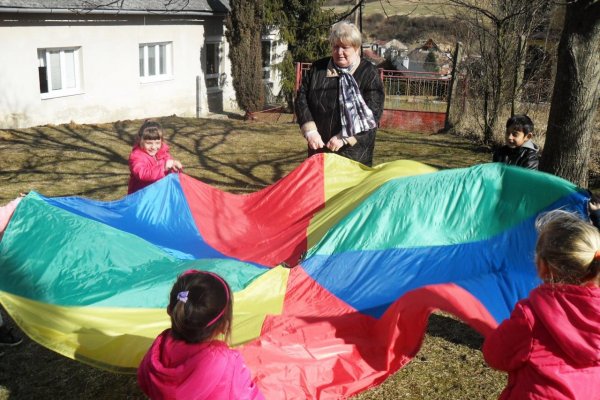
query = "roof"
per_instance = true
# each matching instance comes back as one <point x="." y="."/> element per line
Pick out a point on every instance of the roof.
<point x="371" y="55"/>
<point x="182" y="7"/>
<point x="430" y="45"/>
<point x="397" y="44"/>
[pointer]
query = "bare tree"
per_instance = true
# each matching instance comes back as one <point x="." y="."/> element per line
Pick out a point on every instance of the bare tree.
<point x="576" y="94"/>
<point x="496" y="28"/>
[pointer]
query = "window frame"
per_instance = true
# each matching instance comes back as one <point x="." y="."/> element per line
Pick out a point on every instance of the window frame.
<point x="144" y="62"/>
<point x="44" y="54"/>
<point x="267" y="64"/>
<point x="218" y="43"/>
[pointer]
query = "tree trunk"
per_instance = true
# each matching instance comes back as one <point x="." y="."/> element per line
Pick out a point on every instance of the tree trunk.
<point x="519" y="74"/>
<point x="498" y="93"/>
<point x="450" y="113"/>
<point x="488" y="133"/>
<point x="575" y="96"/>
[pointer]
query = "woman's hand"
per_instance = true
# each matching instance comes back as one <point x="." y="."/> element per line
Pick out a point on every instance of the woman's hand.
<point x="314" y="140"/>
<point x="336" y="142"/>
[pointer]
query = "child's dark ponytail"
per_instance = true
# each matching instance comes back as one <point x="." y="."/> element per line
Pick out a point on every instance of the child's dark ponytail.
<point x="200" y="307"/>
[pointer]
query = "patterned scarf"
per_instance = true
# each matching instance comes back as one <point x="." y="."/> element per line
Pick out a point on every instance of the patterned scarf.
<point x="355" y="115"/>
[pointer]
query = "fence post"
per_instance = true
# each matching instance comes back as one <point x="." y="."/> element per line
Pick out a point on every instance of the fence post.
<point x="296" y="88"/>
<point x="298" y="76"/>
<point x="453" y="81"/>
<point x="198" y="98"/>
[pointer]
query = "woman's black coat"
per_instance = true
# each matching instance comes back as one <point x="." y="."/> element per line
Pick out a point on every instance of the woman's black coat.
<point x="317" y="101"/>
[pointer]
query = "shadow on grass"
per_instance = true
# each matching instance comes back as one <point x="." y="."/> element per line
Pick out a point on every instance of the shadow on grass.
<point x="454" y="331"/>
<point x="92" y="160"/>
<point x="30" y="371"/>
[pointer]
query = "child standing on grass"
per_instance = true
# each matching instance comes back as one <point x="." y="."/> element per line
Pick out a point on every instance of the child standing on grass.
<point x="519" y="149"/>
<point x="150" y="159"/>
<point x="188" y="361"/>
<point x="550" y="345"/>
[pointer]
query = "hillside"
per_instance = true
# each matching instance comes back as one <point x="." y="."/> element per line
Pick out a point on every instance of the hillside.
<point x="392" y="7"/>
<point x="410" y="22"/>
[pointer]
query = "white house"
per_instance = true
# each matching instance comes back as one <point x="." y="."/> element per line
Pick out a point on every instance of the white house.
<point x="69" y="60"/>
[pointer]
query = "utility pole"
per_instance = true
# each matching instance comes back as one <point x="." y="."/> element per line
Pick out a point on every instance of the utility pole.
<point x="360" y="8"/>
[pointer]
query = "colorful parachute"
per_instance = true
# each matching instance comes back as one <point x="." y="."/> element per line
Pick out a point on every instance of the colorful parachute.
<point x="335" y="268"/>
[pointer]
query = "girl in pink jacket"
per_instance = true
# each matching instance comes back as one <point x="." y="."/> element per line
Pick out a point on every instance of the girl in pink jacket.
<point x="188" y="361"/>
<point x="550" y="345"/>
<point x="150" y="159"/>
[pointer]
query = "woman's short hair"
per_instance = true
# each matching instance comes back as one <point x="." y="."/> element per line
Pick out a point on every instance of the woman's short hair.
<point x="346" y="33"/>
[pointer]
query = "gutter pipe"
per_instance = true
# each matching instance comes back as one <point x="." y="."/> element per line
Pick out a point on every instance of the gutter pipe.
<point x="18" y="10"/>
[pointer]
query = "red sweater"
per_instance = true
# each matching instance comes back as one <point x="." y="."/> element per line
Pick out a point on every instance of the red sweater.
<point x="550" y="345"/>
<point x="145" y="169"/>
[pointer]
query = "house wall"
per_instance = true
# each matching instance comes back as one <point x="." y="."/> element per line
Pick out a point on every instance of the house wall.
<point x="278" y="50"/>
<point x="111" y="86"/>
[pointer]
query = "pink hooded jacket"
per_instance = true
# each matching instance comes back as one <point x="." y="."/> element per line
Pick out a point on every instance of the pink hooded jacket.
<point x="145" y="169"/>
<point x="174" y="369"/>
<point x="550" y="345"/>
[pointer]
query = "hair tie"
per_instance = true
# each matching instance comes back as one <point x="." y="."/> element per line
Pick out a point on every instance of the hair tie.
<point x="597" y="255"/>
<point x="215" y="319"/>
<point x="183" y="296"/>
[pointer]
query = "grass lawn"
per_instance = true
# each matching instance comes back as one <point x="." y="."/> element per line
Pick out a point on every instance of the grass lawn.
<point x="240" y="157"/>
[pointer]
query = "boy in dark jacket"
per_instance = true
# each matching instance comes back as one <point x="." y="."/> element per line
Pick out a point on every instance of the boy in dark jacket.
<point x="519" y="149"/>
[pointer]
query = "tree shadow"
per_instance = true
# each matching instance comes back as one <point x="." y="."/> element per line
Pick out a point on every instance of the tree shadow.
<point x="92" y="160"/>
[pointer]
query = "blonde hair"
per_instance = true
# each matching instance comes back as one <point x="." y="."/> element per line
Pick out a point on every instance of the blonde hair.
<point x="346" y="33"/>
<point x="569" y="245"/>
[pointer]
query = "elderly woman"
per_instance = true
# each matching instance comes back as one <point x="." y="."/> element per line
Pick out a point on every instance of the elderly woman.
<point x="340" y="101"/>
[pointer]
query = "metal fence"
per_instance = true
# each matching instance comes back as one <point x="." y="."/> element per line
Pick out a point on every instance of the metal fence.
<point x="405" y="90"/>
<point x="413" y="84"/>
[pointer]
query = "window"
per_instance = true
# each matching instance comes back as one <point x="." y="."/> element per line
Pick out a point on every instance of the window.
<point x="59" y="71"/>
<point x="213" y="60"/>
<point x="266" y="59"/>
<point x="155" y="61"/>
